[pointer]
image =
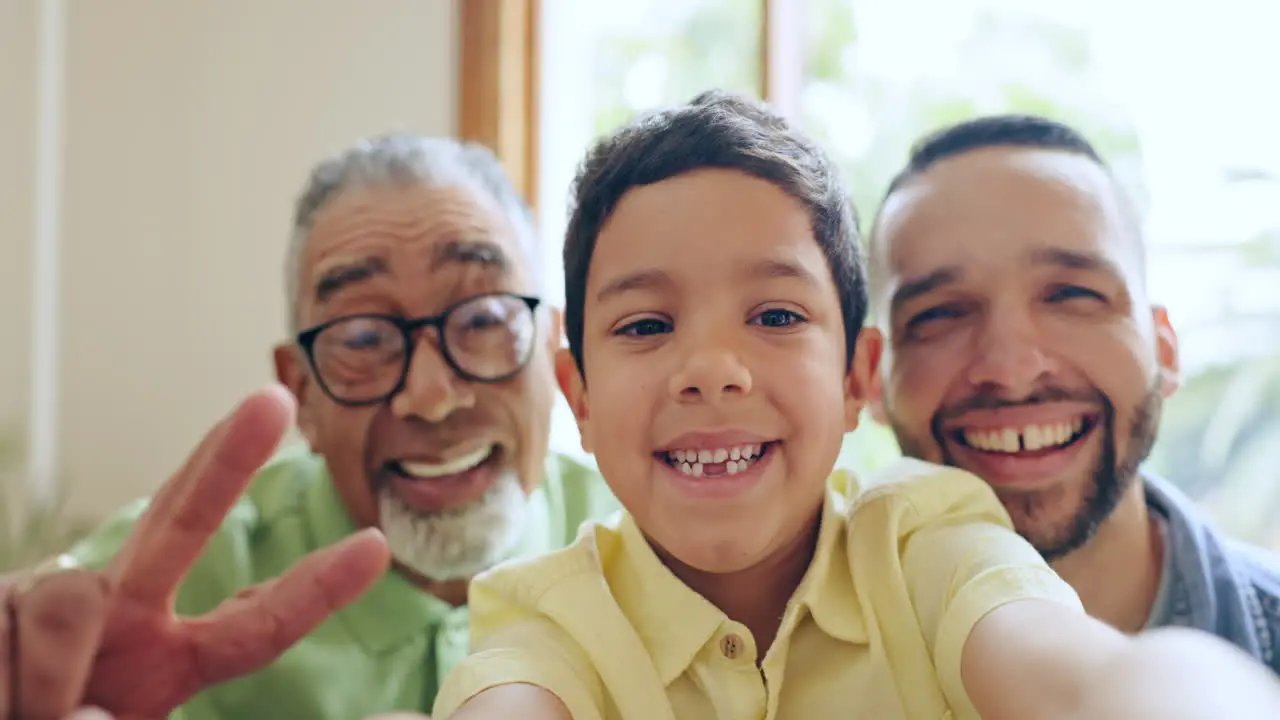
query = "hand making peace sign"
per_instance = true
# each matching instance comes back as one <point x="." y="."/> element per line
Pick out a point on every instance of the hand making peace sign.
<point x="112" y="640"/>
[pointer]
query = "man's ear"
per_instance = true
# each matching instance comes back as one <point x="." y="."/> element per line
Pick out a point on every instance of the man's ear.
<point x="1170" y="370"/>
<point x="291" y="372"/>
<point x="864" y="375"/>
<point x="574" y="389"/>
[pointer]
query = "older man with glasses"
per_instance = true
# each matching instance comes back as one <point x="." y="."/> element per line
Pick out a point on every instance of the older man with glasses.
<point x="421" y="368"/>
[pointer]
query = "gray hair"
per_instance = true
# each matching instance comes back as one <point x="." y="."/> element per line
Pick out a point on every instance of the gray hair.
<point x="398" y="160"/>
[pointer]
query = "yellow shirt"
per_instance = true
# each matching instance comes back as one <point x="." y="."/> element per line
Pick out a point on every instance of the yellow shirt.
<point x="875" y="629"/>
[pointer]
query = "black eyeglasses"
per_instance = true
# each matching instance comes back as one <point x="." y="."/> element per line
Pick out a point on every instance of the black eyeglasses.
<point x="364" y="359"/>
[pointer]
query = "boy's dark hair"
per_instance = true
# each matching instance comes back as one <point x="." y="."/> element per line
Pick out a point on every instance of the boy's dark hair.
<point x="714" y="130"/>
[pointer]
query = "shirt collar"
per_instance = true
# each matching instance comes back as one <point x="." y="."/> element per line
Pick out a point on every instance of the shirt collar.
<point x="1204" y="591"/>
<point x="657" y="602"/>
<point x="827" y="591"/>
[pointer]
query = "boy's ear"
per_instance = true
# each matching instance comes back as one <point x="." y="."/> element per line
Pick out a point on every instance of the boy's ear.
<point x="574" y="389"/>
<point x="864" y="375"/>
<point x="875" y="391"/>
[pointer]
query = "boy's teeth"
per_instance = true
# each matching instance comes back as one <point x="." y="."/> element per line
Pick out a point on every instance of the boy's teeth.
<point x="716" y="455"/>
<point x="735" y="459"/>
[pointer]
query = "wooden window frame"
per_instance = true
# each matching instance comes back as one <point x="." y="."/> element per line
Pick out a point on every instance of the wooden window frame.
<point x="498" y="83"/>
<point x="498" y="93"/>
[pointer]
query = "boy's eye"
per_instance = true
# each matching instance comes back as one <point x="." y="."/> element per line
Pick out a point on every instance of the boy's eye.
<point x="645" y="327"/>
<point x="778" y="318"/>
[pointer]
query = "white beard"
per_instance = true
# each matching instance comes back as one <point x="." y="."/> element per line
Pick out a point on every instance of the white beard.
<point x="455" y="544"/>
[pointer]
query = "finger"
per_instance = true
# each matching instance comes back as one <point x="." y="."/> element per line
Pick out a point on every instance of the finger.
<point x="193" y="503"/>
<point x="59" y="627"/>
<point x="249" y="631"/>
<point x="8" y="648"/>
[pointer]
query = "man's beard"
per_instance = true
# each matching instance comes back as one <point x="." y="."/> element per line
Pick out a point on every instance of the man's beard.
<point x="455" y="544"/>
<point x="1109" y="480"/>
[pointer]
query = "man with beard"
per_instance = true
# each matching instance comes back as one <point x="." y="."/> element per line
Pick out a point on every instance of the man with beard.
<point x="1009" y="279"/>
<point x="421" y="367"/>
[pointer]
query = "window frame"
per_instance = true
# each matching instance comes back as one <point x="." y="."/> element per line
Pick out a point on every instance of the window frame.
<point x="500" y="69"/>
<point x="499" y="83"/>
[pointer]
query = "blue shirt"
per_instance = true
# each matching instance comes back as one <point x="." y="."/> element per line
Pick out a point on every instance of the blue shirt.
<point x="1214" y="583"/>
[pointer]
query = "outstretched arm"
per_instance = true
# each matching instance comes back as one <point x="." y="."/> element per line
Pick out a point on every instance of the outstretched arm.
<point x="507" y="701"/>
<point x="1035" y="659"/>
<point x="1010" y="638"/>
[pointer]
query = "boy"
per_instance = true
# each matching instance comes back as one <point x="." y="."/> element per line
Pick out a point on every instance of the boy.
<point x="714" y="308"/>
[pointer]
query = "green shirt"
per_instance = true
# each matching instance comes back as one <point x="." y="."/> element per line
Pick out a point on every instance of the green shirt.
<point x="390" y="649"/>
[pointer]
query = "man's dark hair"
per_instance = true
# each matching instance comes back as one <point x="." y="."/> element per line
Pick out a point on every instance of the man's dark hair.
<point x="1028" y="131"/>
<point x="714" y="130"/>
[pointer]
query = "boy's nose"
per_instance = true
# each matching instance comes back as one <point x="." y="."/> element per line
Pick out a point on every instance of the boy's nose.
<point x="711" y="376"/>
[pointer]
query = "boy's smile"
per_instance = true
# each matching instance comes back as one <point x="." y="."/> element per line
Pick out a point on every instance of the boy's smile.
<point x="716" y="464"/>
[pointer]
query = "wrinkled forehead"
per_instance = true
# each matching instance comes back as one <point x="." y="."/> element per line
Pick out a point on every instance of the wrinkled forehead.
<point x="428" y="226"/>
<point x="992" y="210"/>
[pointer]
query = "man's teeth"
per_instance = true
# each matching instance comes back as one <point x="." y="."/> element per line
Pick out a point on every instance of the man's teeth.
<point x="695" y="462"/>
<point x="462" y="463"/>
<point x="1031" y="437"/>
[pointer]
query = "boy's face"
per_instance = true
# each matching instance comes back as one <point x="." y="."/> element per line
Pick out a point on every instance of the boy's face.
<point x="716" y="390"/>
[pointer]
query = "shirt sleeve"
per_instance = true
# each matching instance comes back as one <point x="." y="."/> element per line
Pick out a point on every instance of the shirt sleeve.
<point x="513" y="643"/>
<point x="962" y="559"/>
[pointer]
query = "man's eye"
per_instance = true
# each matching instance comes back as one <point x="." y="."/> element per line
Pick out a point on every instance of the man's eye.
<point x="483" y="321"/>
<point x="645" y="327"/>
<point x="942" y="312"/>
<point x="1066" y="293"/>
<point x="778" y="318"/>
<point x="364" y="340"/>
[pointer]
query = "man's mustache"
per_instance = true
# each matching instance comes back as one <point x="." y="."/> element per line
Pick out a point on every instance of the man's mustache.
<point x="993" y="400"/>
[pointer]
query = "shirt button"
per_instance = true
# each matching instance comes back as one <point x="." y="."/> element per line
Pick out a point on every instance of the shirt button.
<point x="731" y="646"/>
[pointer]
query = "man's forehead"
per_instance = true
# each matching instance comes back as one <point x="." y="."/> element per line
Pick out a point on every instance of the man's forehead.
<point x="1002" y="202"/>
<point x="446" y="222"/>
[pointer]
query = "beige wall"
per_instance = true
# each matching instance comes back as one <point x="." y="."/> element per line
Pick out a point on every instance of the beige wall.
<point x="189" y="129"/>
<point x="17" y="128"/>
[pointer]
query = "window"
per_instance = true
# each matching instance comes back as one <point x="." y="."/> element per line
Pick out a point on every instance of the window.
<point x="603" y="63"/>
<point x="1192" y="134"/>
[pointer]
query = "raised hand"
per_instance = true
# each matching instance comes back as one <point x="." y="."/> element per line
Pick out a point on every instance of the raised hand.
<point x="149" y="661"/>
<point x="59" y="620"/>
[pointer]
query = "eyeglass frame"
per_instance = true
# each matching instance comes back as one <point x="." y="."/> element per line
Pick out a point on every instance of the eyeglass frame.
<point x="409" y="327"/>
